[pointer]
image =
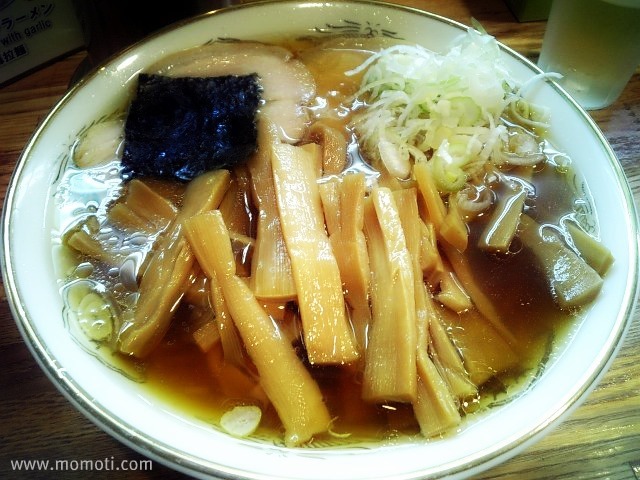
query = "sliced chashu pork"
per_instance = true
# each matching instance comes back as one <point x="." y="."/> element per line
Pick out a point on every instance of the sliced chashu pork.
<point x="287" y="83"/>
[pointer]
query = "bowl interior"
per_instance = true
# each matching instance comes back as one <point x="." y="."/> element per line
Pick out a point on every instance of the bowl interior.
<point x="128" y="411"/>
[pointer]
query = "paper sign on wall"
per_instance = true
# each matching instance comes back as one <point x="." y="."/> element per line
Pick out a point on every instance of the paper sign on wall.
<point x="33" y="32"/>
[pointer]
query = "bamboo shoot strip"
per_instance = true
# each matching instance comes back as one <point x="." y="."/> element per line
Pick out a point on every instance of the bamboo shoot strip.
<point x="454" y="229"/>
<point x="407" y="203"/>
<point x="330" y="198"/>
<point x="236" y="204"/>
<point x="327" y="333"/>
<point x="315" y="153"/>
<point x="206" y="336"/>
<point x="121" y="215"/>
<point x="449" y="226"/>
<point x="203" y="243"/>
<point x="271" y="276"/>
<point x="229" y="337"/>
<point x="447" y="358"/>
<point x="462" y="269"/>
<point x="504" y="221"/>
<point x="349" y="242"/>
<point x="89" y="245"/>
<point x="594" y="253"/>
<point x="167" y="274"/>
<point x="430" y="259"/>
<point x="290" y="387"/>
<point x="350" y="249"/>
<point x="143" y="209"/>
<point x="572" y="282"/>
<point x="435" y="207"/>
<point x="390" y="363"/>
<point x="293" y="392"/>
<point x="149" y="204"/>
<point x="435" y="408"/>
<point x="484" y="350"/>
<point x="452" y="294"/>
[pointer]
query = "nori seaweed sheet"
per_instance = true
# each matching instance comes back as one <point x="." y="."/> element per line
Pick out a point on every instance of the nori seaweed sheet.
<point x="180" y="127"/>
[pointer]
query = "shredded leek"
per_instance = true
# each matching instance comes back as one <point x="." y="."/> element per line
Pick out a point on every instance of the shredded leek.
<point x="443" y="109"/>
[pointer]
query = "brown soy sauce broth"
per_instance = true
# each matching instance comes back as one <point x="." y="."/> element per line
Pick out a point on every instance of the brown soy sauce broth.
<point x="519" y="291"/>
<point x="178" y="373"/>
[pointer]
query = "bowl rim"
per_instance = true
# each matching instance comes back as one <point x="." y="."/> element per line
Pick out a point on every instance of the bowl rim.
<point x="192" y="465"/>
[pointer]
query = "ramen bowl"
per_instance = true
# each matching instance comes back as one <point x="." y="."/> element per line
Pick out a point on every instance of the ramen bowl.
<point x="127" y="410"/>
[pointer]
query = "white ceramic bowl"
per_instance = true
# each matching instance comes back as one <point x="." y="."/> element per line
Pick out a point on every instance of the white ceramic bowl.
<point x="130" y="413"/>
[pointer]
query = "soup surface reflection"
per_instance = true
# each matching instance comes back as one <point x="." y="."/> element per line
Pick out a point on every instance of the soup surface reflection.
<point x="474" y="321"/>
